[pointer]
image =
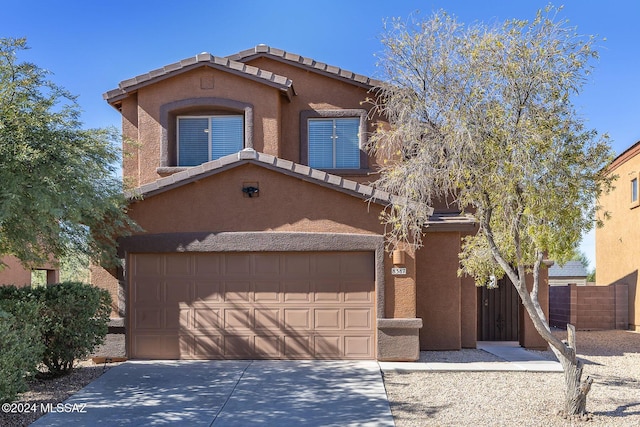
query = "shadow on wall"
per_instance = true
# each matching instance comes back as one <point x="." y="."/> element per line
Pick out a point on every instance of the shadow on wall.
<point x="631" y="280"/>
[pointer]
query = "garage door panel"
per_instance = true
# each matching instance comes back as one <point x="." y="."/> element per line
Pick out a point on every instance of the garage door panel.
<point x="269" y="305"/>
<point x="148" y="290"/>
<point x="238" y="346"/>
<point x="327" y="346"/>
<point x="296" y="291"/>
<point x="238" y="318"/>
<point x="178" y="291"/>
<point x="298" y="319"/>
<point x="237" y="264"/>
<point x="178" y="265"/>
<point x="357" y="347"/>
<point x="358" y="319"/>
<point x="297" y="346"/>
<point x="267" y="319"/>
<point x="297" y="264"/>
<point x="160" y="346"/>
<point x="149" y="318"/>
<point x="178" y="319"/>
<point x="207" y="318"/>
<point x="357" y="291"/>
<point x="236" y="291"/>
<point x="357" y="264"/>
<point x="205" y="265"/>
<point x="267" y="346"/>
<point x="266" y="292"/>
<point x="148" y="265"/>
<point x="207" y="290"/>
<point x="208" y="346"/>
<point x="326" y="290"/>
<point x="267" y="265"/>
<point x="327" y="318"/>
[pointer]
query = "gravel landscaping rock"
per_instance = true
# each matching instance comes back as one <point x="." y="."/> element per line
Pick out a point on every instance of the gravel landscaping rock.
<point x="612" y="358"/>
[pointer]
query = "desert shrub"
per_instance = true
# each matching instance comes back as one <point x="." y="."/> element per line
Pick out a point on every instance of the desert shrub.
<point x="75" y="318"/>
<point x="21" y="346"/>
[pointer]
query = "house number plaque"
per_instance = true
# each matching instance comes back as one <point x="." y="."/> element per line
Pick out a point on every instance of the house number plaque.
<point x="397" y="271"/>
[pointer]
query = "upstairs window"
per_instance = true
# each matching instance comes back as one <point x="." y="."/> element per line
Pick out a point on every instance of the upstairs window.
<point x="634" y="190"/>
<point x="334" y="143"/>
<point x="205" y="138"/>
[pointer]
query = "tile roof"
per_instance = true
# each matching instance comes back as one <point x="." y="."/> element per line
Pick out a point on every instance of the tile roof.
<point x="439" y="221"/>
<point x="263" y="50"/>
<point x="204" y="59"/>
<point x="249" y="155"/>
<point x="570" y="269"/>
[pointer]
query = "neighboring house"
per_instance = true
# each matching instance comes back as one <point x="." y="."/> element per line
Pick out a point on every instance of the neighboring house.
<point x="572" y="272"/>
<point x="618" y="241"/>
<point x="262" y="237"/>
<point x="12" y="272"/>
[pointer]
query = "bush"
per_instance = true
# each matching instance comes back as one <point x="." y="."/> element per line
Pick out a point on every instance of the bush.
<point x="21" y="346"/>
<point x="75" y="319"/>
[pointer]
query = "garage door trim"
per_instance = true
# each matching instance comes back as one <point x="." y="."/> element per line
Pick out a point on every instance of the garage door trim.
<point x="254" y="242"/>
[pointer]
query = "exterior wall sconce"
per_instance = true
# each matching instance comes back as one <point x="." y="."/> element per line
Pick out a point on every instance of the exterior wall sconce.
<point x="250" y="189"/>
<point x="398" y="257"/>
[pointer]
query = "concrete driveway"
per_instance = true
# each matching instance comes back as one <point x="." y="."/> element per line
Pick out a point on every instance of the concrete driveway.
<point x="230" y="393"/>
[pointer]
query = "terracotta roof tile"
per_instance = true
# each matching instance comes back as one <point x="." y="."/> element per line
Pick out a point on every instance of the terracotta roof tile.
<point x="303" y="172"/>
<point x="131" y="85"/>
<point x="301" y="61"/>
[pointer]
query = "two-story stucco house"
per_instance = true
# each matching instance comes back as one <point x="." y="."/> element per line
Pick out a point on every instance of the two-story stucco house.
<point x="262" y="236"/>
<point x="618" y="241"/>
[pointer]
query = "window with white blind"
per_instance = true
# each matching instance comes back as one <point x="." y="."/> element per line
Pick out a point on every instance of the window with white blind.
<point x="334" y="143"/>
<point x="205" y="138"/>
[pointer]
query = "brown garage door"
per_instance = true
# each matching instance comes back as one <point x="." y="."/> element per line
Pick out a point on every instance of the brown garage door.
<point x="252" y="305"/>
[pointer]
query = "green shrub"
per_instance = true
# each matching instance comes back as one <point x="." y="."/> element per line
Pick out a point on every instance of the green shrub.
<point x="75" y="319"/>
<point x="21" y="346"/>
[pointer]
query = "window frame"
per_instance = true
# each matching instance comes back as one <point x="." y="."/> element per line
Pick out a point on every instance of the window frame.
<point x="205" y="106"/>
<point x="634" y="187"/>
<point x="307" y="115"/>
<point x="209" y="118"/>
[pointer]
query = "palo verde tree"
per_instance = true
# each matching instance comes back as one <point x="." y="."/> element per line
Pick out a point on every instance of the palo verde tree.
<point x="482" y="117"/>
<point x="59" y="193"/>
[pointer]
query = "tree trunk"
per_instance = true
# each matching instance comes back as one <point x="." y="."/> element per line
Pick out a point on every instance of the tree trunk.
<point x="576" y="389"/>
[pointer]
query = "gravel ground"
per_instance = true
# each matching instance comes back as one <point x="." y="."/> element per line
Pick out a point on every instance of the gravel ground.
<point x="56" y="390"/>
<point x="612" y="358"/>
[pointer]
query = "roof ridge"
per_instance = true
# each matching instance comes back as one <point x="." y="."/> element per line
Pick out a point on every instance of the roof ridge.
<point x="304" y="62"/>
<point x="128" y="85"/>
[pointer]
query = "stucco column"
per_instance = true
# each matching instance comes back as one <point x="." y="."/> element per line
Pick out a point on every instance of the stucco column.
<point x="398" y="332"/>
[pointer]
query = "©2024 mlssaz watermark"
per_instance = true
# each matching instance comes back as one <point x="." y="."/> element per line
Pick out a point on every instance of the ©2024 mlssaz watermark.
<point x="45" y="408"/>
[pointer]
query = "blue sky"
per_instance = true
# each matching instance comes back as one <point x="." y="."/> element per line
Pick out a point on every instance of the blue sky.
<point x="91" y="46"/>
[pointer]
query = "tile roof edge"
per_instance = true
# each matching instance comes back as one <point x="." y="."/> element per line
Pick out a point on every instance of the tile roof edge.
<point x="203" y="59"/>
<point x="249" y="155"/>
<point x="306" y="63"/>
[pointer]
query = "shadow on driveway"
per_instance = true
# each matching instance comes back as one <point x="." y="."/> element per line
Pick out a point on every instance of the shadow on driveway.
<point x="230" y="393"/>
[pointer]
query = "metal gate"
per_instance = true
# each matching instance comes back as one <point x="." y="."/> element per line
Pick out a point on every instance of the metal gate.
<point x="498" y="312"/>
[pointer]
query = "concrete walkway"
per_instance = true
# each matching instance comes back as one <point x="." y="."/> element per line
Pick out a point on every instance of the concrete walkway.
<point x="230" y="393"/>
<point x="515" y="358"/>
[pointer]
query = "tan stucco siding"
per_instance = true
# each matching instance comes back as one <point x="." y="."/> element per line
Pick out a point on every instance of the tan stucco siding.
<point x="618" y="241"/>
<point x="439" y="292"/>
<point x="148" y="133"/>
<point x="315" y="92"/>
<point x="284" y="203"/>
